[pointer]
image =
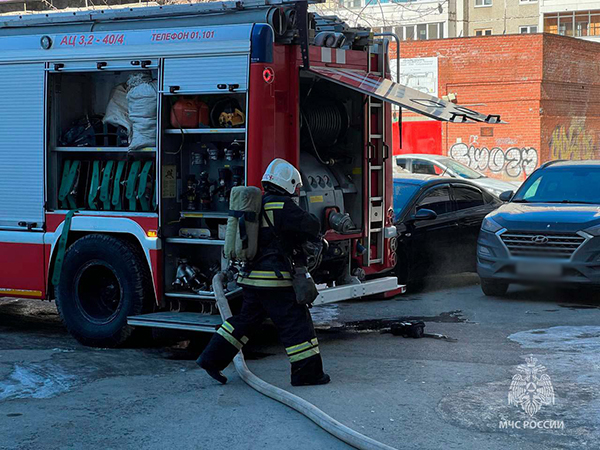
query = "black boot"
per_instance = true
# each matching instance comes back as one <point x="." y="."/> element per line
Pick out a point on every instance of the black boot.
<point x="212" y="371"/>
<point x="324" y="379"/>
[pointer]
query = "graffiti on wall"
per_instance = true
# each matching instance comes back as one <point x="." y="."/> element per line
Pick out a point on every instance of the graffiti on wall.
<point x="573" y="142"/>
<point x="513" y="161"/>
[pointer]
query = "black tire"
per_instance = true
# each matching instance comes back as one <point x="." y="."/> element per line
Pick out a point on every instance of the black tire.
<point x="493" y="288"/>
<point x="104" y="280"/>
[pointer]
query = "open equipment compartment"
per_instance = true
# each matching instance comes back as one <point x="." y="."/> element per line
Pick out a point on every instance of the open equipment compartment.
<point x="332" y="153"/>
<point x="203" y="155"/>
<point x="97" y="164"/>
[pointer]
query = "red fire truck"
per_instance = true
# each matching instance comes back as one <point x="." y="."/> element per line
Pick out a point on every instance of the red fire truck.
<point x="123" y="131"/>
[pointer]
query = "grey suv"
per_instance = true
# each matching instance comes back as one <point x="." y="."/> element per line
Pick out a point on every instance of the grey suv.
<point x="547" y="233"/>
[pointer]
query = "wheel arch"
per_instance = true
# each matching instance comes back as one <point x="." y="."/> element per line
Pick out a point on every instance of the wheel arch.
<point x="125" y="229"/>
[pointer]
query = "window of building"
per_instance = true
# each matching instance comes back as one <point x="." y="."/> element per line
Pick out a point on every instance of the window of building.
<point x="565" y="26"/>
<point x="421" y="31"/>
<point x="483" y="32"/>
<point x="483" y="2"/>
<point x="527" y="29"/>
<point x="582" y="23"/>
<point x="594" y="23"/>
<point x="578" y="24"/>
<point x="551" y="24"/>
<point x="527" y="1"/>
<point x="432" y="31"/>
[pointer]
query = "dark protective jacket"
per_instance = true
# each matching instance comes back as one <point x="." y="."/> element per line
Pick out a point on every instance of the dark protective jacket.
<point x="293" y="226"/>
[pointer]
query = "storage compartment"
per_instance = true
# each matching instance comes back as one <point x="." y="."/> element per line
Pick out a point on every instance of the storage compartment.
<point x="189" y="270"/>
<point x="200" y="164"/>
<point x="102" y="133"/>
<point x="332" y="154"/>
<point x="106" y="182"/>
<point x="203" y="155"/>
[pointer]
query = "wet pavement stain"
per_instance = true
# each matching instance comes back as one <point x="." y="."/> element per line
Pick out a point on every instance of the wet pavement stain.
<point x="385" y="324"/>
<point x="354" y="328"/>
<point x="575" y="307"/>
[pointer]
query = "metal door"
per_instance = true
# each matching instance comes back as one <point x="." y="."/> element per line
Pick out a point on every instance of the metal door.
<point x="22" y="146"/>
<point x="207" y="74"/>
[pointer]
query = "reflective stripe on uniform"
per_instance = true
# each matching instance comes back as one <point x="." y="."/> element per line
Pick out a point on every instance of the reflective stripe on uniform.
<point x="265" y="278"/>
<point x="300" y="347"/>
<point x="273" y="205"/>
<point x="228" y="326"/>
<point x="233" y="341"/>
<point x="264" y="223"/>
<point x="269" y="207"/>
<point x="263" y="283"/>
<point x="305" y="354"/>
<point x="258" y="274"/>
<point x="303" y="350"/>
<point x="244" y="340"/>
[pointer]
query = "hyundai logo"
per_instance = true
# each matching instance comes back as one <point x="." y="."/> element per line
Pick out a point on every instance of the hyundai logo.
<point x="539" y="239"/>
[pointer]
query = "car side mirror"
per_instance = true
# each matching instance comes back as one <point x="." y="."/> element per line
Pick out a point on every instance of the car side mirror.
<point x="506" y="196"/>
<point x="425" y="214"/>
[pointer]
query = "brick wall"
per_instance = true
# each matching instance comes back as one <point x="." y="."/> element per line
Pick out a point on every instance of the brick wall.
<point x="570" y="99"/>
<point x="546" y="87"/>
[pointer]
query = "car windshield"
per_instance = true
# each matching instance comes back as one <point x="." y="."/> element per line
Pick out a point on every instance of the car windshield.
<point x="561" y="185"/>
<point x="461" y="170"/>
<point x="403" y="193"/>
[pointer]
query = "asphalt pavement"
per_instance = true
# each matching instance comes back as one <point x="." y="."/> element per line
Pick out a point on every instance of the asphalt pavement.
<point x="449" y="391"/>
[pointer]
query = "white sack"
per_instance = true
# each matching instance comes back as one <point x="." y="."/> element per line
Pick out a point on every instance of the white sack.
<point x="141" y="100"/>
<point x="117" y="112"/>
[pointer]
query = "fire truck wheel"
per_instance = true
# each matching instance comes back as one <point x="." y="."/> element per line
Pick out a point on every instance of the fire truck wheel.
<point x="103" y="281"/>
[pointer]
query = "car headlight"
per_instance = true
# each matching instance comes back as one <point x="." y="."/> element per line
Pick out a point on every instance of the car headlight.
<point x="594" y="231"/>
<point x="490" y="225"/>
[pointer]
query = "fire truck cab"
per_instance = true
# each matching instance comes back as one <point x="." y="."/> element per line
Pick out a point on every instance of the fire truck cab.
<point x="123" y="131"/>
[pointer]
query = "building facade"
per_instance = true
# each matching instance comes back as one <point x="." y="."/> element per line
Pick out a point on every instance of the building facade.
<point x="545" y="87"/>
<point x="494" y="17"/>
<point x="576" y="18"/>
<point x="437" y="19"/>
<point x="410" y="20"/>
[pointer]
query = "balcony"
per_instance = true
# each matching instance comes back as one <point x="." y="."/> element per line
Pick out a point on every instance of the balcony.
<point x="579" y="24"/>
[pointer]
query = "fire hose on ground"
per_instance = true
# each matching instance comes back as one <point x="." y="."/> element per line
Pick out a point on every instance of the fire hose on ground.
<point x="305" y="408"/>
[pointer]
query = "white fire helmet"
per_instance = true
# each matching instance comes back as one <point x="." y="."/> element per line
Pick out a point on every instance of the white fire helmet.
<point x="283" y="175"/>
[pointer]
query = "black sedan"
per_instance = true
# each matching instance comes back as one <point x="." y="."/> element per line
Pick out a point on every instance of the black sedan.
<point x="438" y="221"/>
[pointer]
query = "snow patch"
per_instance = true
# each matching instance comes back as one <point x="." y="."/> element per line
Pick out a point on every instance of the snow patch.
<point x="36" y="381"/>
<point x="325" y="315"/>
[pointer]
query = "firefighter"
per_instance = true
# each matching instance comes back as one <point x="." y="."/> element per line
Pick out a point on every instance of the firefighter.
<point x="267" y="285"/>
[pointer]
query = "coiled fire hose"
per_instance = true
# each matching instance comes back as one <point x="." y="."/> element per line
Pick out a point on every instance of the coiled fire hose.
<point x="332" y="426"/>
